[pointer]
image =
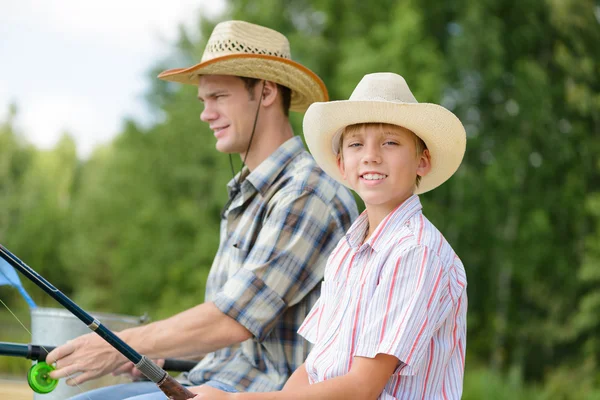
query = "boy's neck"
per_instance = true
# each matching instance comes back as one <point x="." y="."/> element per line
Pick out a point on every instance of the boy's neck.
<point x="376" y="214"/>
<point x="373" y="224"/>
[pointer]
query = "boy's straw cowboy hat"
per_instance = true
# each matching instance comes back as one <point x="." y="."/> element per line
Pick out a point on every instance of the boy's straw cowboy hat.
<point x="386" y="98"/>
<point x="243" y="49"/>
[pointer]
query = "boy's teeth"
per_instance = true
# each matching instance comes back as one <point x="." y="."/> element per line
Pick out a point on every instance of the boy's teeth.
<point x="373" y="177"/>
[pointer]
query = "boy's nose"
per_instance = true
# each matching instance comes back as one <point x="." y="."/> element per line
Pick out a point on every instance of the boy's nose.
<point x="372" y="154"/>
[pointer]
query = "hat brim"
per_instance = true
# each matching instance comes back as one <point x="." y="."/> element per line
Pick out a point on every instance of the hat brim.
<point x="441" y="130"/>
<point x="305" y="85"/>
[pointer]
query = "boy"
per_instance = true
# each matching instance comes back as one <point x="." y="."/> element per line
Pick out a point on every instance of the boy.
<point x="391" y="319"/>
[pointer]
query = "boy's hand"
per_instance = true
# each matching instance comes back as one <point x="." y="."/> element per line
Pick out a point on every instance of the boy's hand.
<point x="205" y="392"/>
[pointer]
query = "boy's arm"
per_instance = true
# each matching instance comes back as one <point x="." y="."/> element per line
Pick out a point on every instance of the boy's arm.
<point x="298" y="381"/>
<point x="366" y="380"/>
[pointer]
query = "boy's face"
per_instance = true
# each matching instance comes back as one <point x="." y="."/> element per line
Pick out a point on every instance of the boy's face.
<point x="229" y="110"/>
<point x="382" y="164"/>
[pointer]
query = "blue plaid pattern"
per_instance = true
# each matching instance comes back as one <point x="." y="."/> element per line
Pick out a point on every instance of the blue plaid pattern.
<point x="275" y="240"/>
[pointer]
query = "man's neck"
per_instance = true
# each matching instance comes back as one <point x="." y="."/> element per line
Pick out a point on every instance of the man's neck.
<point x="266" y="142"/>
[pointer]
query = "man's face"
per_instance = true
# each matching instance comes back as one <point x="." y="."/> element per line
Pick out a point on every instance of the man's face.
<point x="381" y="165"/>
<point x="229" y="110"/>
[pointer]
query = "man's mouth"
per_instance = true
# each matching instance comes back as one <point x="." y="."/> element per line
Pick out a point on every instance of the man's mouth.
<point x="218" y="129"/>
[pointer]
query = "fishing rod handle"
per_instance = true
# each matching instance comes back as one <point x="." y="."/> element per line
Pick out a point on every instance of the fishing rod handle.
<point x="170" y="387"/>
<point x="173" y="389"/>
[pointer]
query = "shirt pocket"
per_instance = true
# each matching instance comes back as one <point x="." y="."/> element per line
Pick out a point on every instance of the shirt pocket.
<point x="336" y="300"/>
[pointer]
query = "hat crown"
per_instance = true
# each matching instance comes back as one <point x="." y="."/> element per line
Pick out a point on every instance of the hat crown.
<point x="240" y="37"/>
<point x="383" y="86"/>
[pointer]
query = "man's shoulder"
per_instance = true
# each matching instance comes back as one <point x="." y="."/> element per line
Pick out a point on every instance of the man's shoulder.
<point x="304" y="171"/>
<point x="302" y="178"/>
<point x="304" y="175"/>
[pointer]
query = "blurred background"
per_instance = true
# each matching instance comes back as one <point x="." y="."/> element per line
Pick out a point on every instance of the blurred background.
<point x="111" y="188"/>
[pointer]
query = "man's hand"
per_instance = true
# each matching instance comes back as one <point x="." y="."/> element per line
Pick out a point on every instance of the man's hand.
<point x="205" y="392"/>
<point x="89" y="355"/>
<point x="129" y="369"/>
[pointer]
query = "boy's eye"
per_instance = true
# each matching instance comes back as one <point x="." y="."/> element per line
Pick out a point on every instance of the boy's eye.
<point x="355" y="144"/>
<point x="389" y="142"/>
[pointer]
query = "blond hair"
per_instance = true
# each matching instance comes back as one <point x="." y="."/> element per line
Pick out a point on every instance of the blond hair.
<point x="420" y="145"/>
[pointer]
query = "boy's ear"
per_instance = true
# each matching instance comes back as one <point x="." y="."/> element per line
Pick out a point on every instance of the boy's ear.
<point x="424" y="163"/>
<point x="340" y="163"/>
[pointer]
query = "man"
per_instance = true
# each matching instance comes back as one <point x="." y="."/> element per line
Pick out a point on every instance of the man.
<point x="283" y="218"/>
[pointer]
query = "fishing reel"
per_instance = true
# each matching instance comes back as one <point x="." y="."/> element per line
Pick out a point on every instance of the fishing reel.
<point x="39" y="379"/>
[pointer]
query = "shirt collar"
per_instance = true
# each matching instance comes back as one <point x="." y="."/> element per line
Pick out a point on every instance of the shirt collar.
<point x="265" y="174"/>
<point x="399" y="216"/>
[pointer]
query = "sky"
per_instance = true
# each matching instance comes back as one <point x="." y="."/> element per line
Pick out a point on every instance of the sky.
<point x="82" y="66"/>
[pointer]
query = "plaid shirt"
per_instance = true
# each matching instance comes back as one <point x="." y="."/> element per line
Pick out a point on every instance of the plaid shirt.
<point x="275" y="239"/>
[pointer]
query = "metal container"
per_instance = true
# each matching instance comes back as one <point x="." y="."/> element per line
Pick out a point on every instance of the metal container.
<point x="55" y="326"/>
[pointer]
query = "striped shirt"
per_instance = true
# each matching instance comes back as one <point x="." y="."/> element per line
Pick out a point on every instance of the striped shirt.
<point x="275" y="239"/>
<point x="403" y="293"/>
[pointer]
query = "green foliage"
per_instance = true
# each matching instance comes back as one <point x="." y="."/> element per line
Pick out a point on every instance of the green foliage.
<point x="134" y="228"/>
<point x="482" y="383"/>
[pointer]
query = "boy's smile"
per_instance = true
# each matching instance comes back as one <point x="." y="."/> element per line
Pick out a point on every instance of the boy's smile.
<point x="372" y="178"/>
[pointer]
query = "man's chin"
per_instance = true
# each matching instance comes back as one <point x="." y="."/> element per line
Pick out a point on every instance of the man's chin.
<point x="224" y="148"/>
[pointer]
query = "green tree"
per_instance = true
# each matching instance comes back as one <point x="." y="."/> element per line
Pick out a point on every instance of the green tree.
<point x="137" y="223"/>
<point x="35" y="196"/>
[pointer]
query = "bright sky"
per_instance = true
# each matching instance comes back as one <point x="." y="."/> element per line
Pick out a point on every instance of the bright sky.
<point x="81" y="66"/>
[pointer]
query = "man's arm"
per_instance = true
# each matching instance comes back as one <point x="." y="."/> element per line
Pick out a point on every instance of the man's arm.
<point x="293" y="238"/>
<point x="194" y="332"/>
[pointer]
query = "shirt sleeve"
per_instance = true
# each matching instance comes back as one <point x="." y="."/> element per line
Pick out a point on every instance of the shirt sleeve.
<point x="285" y="262"/>
<point x="405" y="309"/>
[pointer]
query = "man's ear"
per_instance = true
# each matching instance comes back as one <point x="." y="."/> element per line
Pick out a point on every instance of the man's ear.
<point x="424" y="163"/>
<point x="269" y="92"/>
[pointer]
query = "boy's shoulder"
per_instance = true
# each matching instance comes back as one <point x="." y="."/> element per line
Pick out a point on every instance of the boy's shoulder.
<point x="417" y="234"/>
<point x="420" y="232"/>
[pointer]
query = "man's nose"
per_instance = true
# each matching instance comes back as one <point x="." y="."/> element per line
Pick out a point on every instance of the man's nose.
<point x="208" y="114"/>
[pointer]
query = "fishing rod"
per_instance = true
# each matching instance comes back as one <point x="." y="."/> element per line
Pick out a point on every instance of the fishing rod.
<point x="169" y="386"/>
<point x="38" y="352"/>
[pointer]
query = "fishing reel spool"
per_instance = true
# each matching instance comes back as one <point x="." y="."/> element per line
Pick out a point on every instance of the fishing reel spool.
<point x="39" y="379"/>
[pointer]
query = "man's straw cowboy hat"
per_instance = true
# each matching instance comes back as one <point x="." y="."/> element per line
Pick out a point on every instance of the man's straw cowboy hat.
<point x="242" y="49"/>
